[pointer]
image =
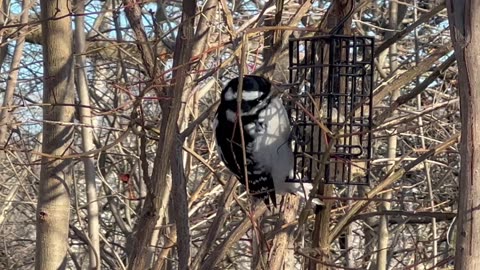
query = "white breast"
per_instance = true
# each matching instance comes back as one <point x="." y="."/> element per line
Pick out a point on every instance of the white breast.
<point x="272" y="148"/>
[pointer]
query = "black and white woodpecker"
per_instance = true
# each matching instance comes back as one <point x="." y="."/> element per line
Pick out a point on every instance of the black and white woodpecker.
<point x="266" y="131"/>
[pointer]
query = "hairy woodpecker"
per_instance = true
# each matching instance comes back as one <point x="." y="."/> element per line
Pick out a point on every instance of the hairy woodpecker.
<point x="266" y="131"/>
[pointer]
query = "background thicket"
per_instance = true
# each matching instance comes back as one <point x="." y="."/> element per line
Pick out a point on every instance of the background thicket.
<point x="121" y="94"/>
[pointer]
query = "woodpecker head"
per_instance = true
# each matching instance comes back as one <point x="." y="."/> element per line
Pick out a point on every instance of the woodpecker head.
<point x="256" y="91"/>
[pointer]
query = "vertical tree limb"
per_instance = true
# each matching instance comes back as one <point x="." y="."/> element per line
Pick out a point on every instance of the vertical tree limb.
<point x="87" y="136"/>
<point x="283" y="240"/>
<point x="160" y="186"/>
<point x="465" y="33"/>
<point x="6" y="111"/>
<point x="180" y="204"/>
<point x="53" y="207"/>
<point x="338" y="12"/>
<point x="383" y="232"/>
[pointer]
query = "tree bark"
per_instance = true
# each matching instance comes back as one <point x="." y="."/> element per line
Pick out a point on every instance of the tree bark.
<point x="336" y="17"/>
<point x="87" y="137"/>
<point x="283" y="240"/>
<point x="53" y="205"/>
<point x="160" y="185"/>
<point x="383" y="233"/>
<point x="6" y="112"/>
<point x="465" y="32"/>
<point x="3" y="18"/>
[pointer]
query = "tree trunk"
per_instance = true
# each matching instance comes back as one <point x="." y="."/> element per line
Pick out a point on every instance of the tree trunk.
<point x="336" y="17"/>
<point x="53" y="206"/>
<point x="464" y="22"/>
<point x="6" y="111"/>
<point x="3" y="18"/>
<point x="87" y="137"/>
<point x="383" y="233"/>
<point x="284" y="240"/>
<point x="160" y="186"/>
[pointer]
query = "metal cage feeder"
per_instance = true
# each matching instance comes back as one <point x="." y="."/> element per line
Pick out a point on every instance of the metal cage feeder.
<point x="330" y="105"/>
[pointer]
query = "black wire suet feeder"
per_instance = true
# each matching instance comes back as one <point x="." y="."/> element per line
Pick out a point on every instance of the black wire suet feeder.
<point x="331" y="84"/>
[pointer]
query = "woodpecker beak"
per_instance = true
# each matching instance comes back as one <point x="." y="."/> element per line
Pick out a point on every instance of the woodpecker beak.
<point x="280" y="89"/>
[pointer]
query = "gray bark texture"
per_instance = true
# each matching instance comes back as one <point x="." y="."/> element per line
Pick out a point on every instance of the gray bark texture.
<point x="53" y="205"/>
<point x="464" y="29"/>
